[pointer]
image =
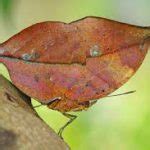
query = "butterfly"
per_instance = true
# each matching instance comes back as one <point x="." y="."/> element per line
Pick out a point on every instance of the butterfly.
<point x="68" y="66"/>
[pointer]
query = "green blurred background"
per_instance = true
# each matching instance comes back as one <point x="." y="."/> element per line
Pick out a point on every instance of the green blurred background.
<point x="116" y="123"/>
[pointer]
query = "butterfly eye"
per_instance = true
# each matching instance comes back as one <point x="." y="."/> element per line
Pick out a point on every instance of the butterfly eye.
<point x="95" y="51"/>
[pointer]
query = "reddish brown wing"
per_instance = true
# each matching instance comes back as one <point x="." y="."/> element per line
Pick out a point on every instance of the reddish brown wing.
<point x="87" y="59"/>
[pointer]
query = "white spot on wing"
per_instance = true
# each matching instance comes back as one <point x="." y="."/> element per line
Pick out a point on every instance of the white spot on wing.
<point x="95" y="51"/>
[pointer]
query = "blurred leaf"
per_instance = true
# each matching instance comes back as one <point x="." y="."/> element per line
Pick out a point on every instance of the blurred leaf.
<point x="6" y="7"/>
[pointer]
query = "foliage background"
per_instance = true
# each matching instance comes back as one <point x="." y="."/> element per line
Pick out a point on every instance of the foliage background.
<point x="116" y="123"/>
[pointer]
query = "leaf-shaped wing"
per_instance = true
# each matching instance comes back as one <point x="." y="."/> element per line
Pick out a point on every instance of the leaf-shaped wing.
<point x="79" y="62"/>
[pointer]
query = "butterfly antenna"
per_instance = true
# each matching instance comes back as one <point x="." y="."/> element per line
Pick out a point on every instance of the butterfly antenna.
<point x="130" y="92"/>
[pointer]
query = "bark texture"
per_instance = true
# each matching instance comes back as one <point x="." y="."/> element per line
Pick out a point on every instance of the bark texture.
<point x="20" y="127"/>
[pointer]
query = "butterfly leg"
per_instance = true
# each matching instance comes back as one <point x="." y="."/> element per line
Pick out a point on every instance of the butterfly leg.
<point x="71" y="119"/>
<point x="47" y="102"/>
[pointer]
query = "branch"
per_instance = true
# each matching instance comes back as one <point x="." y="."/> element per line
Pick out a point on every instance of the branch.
<point x="20" y="126"/>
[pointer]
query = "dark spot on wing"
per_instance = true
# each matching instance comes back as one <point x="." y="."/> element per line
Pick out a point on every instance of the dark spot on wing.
<point x="36" y="78"/>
